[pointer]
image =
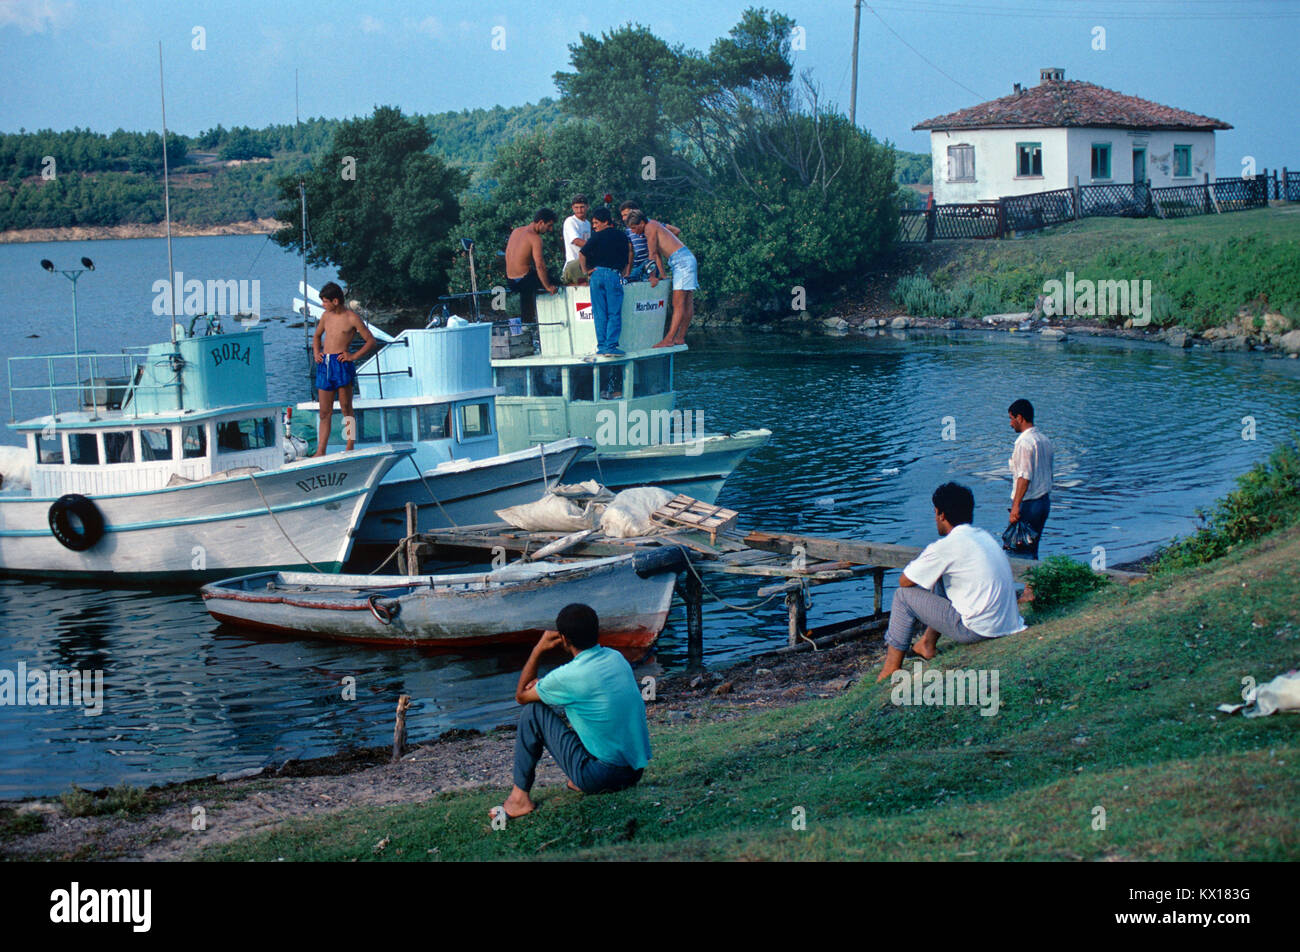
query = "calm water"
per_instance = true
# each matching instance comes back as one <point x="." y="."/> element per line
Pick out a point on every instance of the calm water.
<point x="1144" y="435"/>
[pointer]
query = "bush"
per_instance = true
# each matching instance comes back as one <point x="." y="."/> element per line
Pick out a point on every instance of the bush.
<point x="1267" y="498"/>
<point x="121" y="799"/>
<point x="1058" y="581"/>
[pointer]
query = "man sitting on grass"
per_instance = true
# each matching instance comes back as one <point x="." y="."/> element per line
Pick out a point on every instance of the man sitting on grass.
<point x="959" y="586"/>
<point x="608" y="745"/>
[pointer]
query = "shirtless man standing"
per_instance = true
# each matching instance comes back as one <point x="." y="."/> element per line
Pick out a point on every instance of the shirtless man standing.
<point x="336" y="370"/>
<point x="525" y="269"/>
<point x="685" y="273"/>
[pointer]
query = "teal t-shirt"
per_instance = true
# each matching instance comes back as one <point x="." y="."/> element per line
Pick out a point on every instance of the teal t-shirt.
<point x="599" y="694"/>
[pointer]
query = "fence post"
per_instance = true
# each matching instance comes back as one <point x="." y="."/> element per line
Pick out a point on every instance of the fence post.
<point x="1205" y="184"/>
<point x="1002" y="220"/>
<point x="930" y="216"/>
<point x="1285" y="193"/>
<point x="1150" y="204"/>
<point x="1077" y="199"/>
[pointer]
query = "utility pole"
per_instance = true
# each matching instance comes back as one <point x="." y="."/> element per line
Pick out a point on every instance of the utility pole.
<point x="853" y="91"/>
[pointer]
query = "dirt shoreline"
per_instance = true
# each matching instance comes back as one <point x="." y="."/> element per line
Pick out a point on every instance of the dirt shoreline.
<point x="257" y="226"/>
<point x="457" y="760"/>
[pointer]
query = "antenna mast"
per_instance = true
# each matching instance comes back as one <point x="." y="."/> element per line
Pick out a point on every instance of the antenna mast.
<point x="167" y="201"/>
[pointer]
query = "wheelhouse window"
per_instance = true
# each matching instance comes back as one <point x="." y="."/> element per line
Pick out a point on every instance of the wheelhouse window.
<point x="475" y="421"/>
<point x="238" y="436"/>
<point x="434" y="421"/>
<point x="1101" y="161"/>
<point x="611" y="381"/>
<point x="1182" y="161"/>
<point x="961" y="163"/>
<point x="582" y="383"/>
<point x="367" y="427"/>
<point x="653" y="376"/>
<point x="1029" y="159"/>
<point x="194" y="442"/>
<point x="397" y="424"/>
<point x="547" y="382"/>
<point x="514" y="380"/>
<point x="49" y="449"/>
<point x="119" y="447"/>
<point x="155" y="445"/>
<point x="83" y="449"/>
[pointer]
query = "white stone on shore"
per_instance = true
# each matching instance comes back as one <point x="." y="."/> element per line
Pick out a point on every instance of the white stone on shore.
<point x="1053" y="333"/>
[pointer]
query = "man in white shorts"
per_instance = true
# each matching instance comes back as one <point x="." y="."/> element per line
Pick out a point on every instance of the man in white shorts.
<point x="959" y="586"/>
<point x="682" y="267"/>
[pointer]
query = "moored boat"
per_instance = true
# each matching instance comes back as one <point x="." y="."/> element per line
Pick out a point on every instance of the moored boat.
<point x="631" y="594"/>
<point x="170" y="465"/>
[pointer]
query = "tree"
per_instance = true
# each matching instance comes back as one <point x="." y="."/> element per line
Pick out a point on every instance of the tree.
<point x="380" y="208"/>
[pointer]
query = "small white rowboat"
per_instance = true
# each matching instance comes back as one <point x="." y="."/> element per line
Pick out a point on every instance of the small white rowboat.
<point x="631" y="595"/>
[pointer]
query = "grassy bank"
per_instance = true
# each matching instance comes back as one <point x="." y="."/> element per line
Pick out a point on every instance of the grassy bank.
<point x="1110" y="706"/>
<point x="1202" y="270"/>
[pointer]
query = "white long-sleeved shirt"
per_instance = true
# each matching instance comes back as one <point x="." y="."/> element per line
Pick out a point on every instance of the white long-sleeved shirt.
<point x="1031" y="458"/>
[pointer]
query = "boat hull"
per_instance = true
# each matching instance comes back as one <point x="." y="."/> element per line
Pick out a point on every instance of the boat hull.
<point x="207" y="529"/>
<point x="467" y="492"/>
<point x="511" y="605"/>
<point x="696" y="469"/>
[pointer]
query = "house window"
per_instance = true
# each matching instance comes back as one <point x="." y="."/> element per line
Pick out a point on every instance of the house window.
<point x="1029" y="159"/>
<point x="961" y="163"/>
<point x="1101" y="161"/>
<point x="1182" y="161"/>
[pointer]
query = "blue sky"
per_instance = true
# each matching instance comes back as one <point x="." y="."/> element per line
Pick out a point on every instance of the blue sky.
<point x="93" y="63"/>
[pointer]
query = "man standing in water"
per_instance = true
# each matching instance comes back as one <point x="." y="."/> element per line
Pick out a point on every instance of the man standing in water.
<point x="1031" y="472"/>
<point x="685" y="272"/>
<point x="336" y="369"/>
<point x="525" y="267"/>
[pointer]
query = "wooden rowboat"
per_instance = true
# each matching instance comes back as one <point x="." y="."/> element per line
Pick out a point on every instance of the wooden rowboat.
<point x="631" y="595"/>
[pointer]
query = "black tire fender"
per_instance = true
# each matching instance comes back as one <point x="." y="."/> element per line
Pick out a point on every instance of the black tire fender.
<point x="87" y="513"/>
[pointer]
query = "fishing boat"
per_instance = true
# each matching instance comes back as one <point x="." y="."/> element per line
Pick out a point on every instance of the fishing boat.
<point x="626" y="404"/>
<point x="432" y="387"/>
<point x="170" y="465"/>
<point x="631" y="594"/>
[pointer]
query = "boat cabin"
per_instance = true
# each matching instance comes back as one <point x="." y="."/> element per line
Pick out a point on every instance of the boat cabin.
<point x="563" y="392"/>
<point x="431" y="387"/>
<point x="141" y="421"/>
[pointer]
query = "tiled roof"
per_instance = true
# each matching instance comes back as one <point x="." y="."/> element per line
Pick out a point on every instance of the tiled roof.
<point x="1055" y="103"/>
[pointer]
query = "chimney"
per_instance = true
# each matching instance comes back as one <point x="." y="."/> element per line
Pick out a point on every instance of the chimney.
<point x="1016" y="89"/>
<point x="1051" y="74"/>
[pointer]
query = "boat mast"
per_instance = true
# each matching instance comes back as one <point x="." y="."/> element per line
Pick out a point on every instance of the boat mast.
<point x="167" y="201"/>
<point x="306" y="293"/>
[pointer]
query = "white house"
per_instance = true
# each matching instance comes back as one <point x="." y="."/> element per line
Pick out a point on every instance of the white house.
<point x="1039" y="139"/>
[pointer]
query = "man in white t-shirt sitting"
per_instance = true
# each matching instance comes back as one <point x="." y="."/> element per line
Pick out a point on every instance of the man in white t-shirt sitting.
<point x="959" y="586"/>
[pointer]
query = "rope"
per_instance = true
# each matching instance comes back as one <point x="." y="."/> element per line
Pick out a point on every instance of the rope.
<point x="446" y="515"/>
<point x="541" y="447"/>
<point x="274" y="519"/>
<point x="716" y="597"/>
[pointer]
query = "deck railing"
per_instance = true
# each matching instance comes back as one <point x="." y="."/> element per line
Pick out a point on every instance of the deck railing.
<point x="112" y="381"/>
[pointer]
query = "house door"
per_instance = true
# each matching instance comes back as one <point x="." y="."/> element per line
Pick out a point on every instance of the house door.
<point x="1139" y="166"/>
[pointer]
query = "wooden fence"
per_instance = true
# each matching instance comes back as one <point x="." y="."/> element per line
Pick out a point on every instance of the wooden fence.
<point x="1019" y="214"/>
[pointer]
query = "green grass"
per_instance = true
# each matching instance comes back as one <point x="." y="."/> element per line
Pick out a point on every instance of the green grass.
<point x="122" y="799"/>
<point x="1111" y="706"/>
<point x="1202" y="270"/>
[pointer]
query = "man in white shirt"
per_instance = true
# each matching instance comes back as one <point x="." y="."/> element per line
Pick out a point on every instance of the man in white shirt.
<point x="577" y="232"/>
<point x="1031" y="473"/>
<point x="959" y="586"/>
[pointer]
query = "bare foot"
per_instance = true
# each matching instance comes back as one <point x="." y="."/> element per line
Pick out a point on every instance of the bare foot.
<point x="926" y="645"/>
<point x="570" y="785"/>
<point x="893" y="661"/>
<point x="518" y="804"/>
<point x="664" y="343"/>
<point x="1027" y="596"/>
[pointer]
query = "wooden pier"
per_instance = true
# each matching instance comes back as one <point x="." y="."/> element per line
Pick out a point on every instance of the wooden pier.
<point x="792" y="564"/>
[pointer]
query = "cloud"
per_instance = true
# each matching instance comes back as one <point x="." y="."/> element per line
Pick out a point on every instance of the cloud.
<point x="431" y="26"/>
<point x="34" y="16"/>
<point x="370" y="24"/>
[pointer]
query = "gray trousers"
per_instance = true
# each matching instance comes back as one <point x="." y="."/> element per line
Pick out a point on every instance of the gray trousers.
<point x="915" y="608"/>
<point x="540" y="726"/>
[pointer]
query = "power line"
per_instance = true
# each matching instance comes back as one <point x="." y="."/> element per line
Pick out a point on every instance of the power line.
<point x="931" y="63"/>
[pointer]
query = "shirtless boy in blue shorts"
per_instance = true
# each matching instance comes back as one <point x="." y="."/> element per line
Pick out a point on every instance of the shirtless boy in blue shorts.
<point x="336" y="370"/>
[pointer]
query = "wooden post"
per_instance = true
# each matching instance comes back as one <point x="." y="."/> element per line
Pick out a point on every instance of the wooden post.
<point x="693" y="596"/>
<point x="878" y="576"/>
<point x="410" y="547"/>
<point x="1282" y="193"/>
<point x="798" y="617"/>
<point x="1077" y="197"/>
<point x="399" y="729"/>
